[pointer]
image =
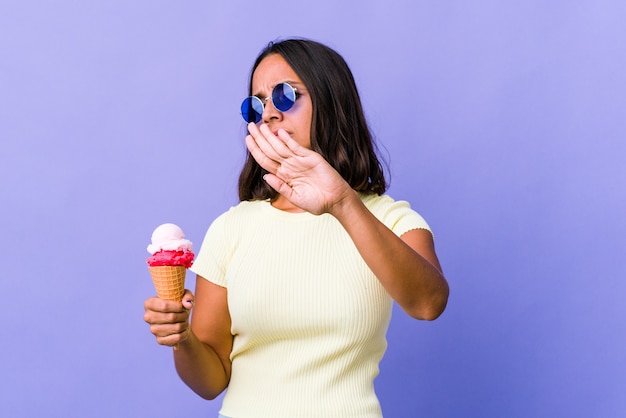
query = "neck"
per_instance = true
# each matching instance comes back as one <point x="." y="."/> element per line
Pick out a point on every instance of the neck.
<point x="283" y="204"/>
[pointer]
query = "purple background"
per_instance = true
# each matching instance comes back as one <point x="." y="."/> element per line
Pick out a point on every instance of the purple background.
<point x="505" y="127"/>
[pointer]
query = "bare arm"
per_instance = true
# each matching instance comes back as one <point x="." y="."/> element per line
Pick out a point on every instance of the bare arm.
<point x="202" y="358"/>
<point x="406" y="266"/>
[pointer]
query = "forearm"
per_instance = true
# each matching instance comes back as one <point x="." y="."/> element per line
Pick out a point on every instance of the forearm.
<point x="200" y="367"/>
<point x="415" y="283"/>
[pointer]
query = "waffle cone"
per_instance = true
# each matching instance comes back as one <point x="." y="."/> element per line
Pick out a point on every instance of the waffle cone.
<point x="169" y="281"/>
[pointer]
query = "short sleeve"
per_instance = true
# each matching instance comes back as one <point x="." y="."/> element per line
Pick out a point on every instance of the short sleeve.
<point x="215" y="252"/>
<point x="396" y="215"/>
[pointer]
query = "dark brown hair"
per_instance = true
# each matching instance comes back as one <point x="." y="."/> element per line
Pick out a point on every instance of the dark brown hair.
<point x="339" y="132"/>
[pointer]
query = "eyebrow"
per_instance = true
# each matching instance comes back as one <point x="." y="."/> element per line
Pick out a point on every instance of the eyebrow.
<point x="294" y="84"/>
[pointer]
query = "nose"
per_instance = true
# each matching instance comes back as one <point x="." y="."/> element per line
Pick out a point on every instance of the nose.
<point x="269" y="111"/>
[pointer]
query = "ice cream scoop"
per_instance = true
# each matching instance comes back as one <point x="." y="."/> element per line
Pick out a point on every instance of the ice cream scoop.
<point x="169" y="237"/>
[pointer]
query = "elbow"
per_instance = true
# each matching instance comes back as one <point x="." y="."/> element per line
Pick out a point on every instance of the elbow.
<point x="432" y="314"/>
<point x="426" y="314"/>
<point x="204" y="387"/>
<point x="209" y="396"/>
<point x="432" y="308"/>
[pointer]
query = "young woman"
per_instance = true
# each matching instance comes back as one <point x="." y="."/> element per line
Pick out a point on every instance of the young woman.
<point x="296" y="283"/>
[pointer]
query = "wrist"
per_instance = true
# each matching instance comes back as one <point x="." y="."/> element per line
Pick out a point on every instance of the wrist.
<point x="346" y="205"/>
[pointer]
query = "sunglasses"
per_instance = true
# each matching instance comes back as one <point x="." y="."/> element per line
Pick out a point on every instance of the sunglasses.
<point x="283" y="97"/>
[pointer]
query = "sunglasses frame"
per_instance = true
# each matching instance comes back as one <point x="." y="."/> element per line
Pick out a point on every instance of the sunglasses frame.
<point x="248" y="102"/>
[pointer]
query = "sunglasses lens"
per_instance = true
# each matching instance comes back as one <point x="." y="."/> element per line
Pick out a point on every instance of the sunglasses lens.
<point x="283" y="97"/>
<point x="252" y="109"/>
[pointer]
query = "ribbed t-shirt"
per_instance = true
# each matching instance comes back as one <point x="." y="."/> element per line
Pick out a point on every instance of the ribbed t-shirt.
<point x="309" y="317"/>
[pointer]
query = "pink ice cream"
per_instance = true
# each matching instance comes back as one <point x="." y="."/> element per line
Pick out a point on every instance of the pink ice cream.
<point x="169" y="247"/>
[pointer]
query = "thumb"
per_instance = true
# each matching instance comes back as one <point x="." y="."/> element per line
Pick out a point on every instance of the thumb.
<point x="188" y="300"/>
<point x="278" y="184"/>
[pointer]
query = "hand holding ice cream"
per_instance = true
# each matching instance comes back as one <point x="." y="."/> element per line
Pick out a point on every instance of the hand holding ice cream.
<point x="171" y="255"/>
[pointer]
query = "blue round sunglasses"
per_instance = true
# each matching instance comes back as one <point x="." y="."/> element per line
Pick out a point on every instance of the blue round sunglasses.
<point x="283" y="97"/>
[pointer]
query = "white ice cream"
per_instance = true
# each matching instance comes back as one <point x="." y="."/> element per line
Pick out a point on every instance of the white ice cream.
<point x="169" y="237"/>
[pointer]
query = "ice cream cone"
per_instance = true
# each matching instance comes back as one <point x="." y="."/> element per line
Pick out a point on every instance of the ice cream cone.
<point x="169" y="281"/>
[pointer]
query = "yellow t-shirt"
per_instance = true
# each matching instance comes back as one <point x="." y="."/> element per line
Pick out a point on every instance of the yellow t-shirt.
<point x="309" y="317"/>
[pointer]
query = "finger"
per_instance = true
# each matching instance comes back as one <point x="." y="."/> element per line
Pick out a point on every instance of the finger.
<point x="161" y="318"/>
<point x="267" y="141"/>
<point x="167" y="341"/>
<point x="278" y="184"/>
<point x="161" y="311"/>
<point x="154" y="304"/>
<point x="171" y="341"/>
<point x="260" y="157"/>
<point x="277" y="145"/>
<point x="172" y="336"/>
<point x="157" y="304"/>
<point x="294" y="147"/>
<point x="273" y="147"/>
<point x="166" y="330"/>
<point x="188" y="300"/>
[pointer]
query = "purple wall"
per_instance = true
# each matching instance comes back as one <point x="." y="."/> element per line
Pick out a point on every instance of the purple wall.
<point x="505" y="128"/>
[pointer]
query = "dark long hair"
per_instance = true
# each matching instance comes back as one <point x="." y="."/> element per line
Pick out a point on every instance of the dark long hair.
<point x="339" y="131"/>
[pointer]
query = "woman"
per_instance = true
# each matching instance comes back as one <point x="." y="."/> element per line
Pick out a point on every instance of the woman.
<point x="296" y="283"/>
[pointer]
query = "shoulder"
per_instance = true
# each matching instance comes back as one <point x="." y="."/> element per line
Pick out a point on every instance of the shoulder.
<point x="397" y="215"/>
<point x="383" y="205"/>
<point x="244" y="209"/>
<point x="236" y="218"/>
<point x="224" y="234"/>
<point x="247" y="207"/>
